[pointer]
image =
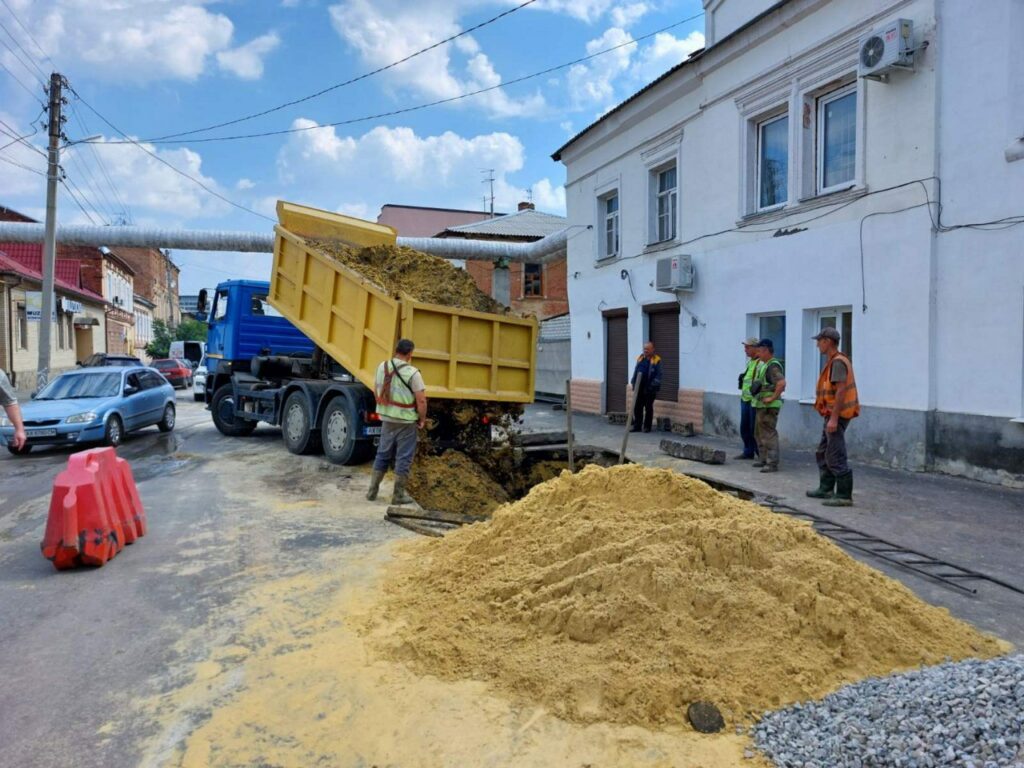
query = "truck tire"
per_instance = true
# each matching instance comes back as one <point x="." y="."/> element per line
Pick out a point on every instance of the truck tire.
<point x="223" y="411"/>
<point x="297" y="425"/>
<point x="338" y="433"/>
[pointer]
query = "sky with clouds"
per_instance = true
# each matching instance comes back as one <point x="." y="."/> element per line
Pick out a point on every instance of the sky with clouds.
<point x="158" y="67"/>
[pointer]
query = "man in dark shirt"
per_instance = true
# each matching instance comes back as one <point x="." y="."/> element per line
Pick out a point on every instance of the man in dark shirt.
<point x="646" y="382"/>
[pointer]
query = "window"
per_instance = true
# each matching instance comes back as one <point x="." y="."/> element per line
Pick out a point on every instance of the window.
<point x="220" y="308"/>
<point x="60" y="331"/>
<point x="532" y="280"/>
<point x="842" y="321"/>
<point x="151" y="380"/>
<point x="262" y="308"/>
<point x="665" y="204"/>
<point x="837" y="139"/>
<point x="610" y="210"/>
<point x="22" y="327"/>
<point x="774" y="327"/>
<point x="772" y="162"/>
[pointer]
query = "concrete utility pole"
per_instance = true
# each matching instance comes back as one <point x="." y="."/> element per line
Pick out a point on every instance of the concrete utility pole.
<point x="50" y="234"/>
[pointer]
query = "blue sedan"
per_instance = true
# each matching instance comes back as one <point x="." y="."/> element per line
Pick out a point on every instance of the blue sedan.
<point x="94" y="405"/>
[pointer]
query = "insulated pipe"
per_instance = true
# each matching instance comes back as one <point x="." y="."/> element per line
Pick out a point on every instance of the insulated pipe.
<point x="549" y="248"/>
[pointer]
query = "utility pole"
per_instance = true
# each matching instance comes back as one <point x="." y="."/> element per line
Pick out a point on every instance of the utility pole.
<point x="50" y="232"/>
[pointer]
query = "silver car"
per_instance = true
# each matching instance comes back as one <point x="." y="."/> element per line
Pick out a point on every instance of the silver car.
<point x="199" y="380"/>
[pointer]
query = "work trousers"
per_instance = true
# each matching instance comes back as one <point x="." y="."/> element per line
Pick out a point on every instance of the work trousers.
<point x="643" y="410"/>
<point x="831" y="453"/>
<point x="398" y="442"/>
<point x="747" y="429"/>
<point x="767" y="434"/>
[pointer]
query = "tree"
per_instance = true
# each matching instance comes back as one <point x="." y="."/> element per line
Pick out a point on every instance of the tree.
<point x="187" y="330"/>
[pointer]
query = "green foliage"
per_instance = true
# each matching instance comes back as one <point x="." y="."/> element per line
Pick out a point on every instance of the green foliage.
<point x="187" y="330"/>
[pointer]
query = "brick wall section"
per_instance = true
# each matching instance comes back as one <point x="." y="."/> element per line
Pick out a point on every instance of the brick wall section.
<point x="688" y="409"/>
<point x="152" y="281"/>
<point x="555" y="300"/>
<point x="482" y="272"/>
<point x="586" y="395"/>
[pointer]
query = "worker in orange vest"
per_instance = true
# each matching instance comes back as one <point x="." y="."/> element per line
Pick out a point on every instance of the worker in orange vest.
<point x="836" y="400"/>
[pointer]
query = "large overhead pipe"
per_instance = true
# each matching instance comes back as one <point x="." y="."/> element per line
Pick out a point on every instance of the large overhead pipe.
<point x="547" y="249"/>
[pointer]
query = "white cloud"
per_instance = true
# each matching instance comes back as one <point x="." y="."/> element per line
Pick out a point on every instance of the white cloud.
<point x="385" y="31"/>
<point x="664" y="53"/>
<point x="246" y="61"/>
<point x="244" y="184"/>
<point x="593" y="84"/>
<point x="585" y="10"/>
<point x="549" y="197"/>
<point x="629" y="14"/>
<point x="359" y="210"/>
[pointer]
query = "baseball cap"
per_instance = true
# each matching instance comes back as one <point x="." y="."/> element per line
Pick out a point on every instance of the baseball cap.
<point x="766" y="343"/>
<point x="751" y="341"/>
<point x="827" y="333"/>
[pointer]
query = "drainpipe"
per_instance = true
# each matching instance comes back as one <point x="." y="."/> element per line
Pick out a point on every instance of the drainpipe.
<point x="931" y="414"/>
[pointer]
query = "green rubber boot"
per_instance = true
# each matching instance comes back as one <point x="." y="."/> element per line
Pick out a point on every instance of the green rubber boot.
<point x="826" y="485"/>
<point x="844" y="492"/>
<point x="374" y="489"/>
<point x="400" y="496"/>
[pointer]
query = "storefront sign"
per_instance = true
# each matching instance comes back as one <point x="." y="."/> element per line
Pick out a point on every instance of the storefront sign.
<point x="70" y="305"/>
<point x="33" y="305"/>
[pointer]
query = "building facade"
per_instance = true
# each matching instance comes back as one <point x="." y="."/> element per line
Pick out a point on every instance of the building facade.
<point x="806" y="195"/>
<point x="156" y="279"/>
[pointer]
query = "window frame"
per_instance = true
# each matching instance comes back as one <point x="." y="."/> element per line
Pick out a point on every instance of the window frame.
<point x="615" y="219"/>
<point x="539" y="281"/>
<point x="656" y="197"/>
<point x="758" y="124"/>
<point x="822" y="100"/>
<point x="22" y="313"/>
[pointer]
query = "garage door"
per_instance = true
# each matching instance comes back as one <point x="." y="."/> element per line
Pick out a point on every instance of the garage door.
<point x="663" y="324"/>
<point x="616" y="363"/>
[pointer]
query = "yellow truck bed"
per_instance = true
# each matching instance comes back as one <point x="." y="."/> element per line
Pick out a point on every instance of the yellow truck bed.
<point x="463" y="354"/>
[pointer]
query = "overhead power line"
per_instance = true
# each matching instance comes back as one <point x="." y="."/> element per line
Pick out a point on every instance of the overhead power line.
<point x="20" y="165"/>
<point x="351" y="81"/>
<point x="31" y="59"/>
<point x="68" y="184"/>
<point x="19" y="81"/>
<point x="197" y="182"/>
<point x="418" y="107"/>
<point x="28" y="32"/>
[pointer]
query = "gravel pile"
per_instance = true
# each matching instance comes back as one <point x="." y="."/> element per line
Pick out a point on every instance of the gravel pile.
<point x="967" y="714"/>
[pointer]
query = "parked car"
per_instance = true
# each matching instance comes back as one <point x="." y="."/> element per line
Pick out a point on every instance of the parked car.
<point x="102" y="358"/>
<point x="94" y="405"/>
<point x="177" y="372"/>
<point x="199" y="380"/>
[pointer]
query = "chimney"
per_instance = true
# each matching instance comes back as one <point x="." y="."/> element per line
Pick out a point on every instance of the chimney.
<point x="524" y="206"/>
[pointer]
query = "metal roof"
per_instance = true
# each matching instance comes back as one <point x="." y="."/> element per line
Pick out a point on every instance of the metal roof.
<point x="528" y="223"/>
<point x="556" y="328"/>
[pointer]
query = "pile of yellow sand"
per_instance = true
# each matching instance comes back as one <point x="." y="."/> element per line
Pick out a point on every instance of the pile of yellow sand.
<point x="625" y="594"/>
<point x="453" y="482"/>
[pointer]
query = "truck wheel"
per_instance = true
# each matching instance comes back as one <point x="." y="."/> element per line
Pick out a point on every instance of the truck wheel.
<point x="223" y="410"/>
<point x="338" y="432"/>
<point x="297" y="425"/>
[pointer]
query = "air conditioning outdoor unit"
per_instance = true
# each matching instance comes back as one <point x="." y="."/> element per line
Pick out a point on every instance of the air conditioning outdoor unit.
<point x="674" y="273"/>
<point x="886" y="49"/>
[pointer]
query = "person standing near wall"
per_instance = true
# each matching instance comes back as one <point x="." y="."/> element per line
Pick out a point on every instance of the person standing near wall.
<point x="9" y="402"/>
<point x="747" y="400"/>
<point x="837" y="402"/>
<point x="646" y="383"/>
<point x="767" y="388"/>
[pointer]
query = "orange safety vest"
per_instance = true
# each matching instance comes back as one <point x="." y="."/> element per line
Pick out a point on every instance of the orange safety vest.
<point x="825" y="397"/>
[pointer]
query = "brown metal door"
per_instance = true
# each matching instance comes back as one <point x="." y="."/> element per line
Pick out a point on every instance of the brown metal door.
<point x="664" y="328"/>
<point x="616" y="364"/>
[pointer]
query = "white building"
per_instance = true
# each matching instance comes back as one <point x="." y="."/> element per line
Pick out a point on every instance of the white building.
<point x="807" y="195"/>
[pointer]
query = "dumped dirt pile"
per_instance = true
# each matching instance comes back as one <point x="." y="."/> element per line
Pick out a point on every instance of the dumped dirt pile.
<point x="625" y="594"/>
<point x="423" y="276"/>
<point x="453" y="482"/>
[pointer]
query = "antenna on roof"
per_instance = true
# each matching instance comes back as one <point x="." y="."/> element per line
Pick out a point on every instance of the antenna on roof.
<point x="489" y="179"/>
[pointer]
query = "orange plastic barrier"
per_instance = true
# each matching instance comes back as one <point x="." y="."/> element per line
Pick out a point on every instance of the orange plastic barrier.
<point x="95" y="510"/>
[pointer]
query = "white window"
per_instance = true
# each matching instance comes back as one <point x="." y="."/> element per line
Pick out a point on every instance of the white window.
<point x="772" y="172"/>
<point x="665" y="204"/>
<point x="774" y="327"/>
<point x="842" y="320"/>
<point x="836" y="139"/>
<point x="610" y="241"/>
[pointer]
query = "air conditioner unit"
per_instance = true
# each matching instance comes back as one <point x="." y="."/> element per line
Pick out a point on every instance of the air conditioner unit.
<point x="885" y="49"/>
<point x="674" y="273"/>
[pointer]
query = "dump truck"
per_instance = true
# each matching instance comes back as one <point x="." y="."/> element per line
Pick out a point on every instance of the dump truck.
<point x="301" y="351"/>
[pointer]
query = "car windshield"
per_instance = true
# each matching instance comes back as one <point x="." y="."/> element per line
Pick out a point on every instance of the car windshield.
<point x="163" y="365"/>
<point x="79" y="385"/>
<point x="123" y="362"/>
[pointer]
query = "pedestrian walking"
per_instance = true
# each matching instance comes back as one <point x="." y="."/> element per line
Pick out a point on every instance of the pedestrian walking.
<point x="646" y="383"/>
<point x="9" y="402"/>
<point x="837" y="402"/>
<point x="767" y="387"/>
<point x="747" y="400"/>
<point x="402" y="406"/>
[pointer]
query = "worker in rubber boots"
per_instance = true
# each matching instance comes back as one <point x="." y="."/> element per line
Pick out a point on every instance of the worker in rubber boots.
<point x="836" y="400"/>
<point x="646" y="382"/>
<point x="747" y="400"/>
<point x="402" y="406"/>
<point x="767" y="387"/>
<point x="9" y="402"/>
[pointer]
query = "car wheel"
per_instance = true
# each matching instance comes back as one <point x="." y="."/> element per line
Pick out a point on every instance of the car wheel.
<point x="223" y="411"/>
<point x="114" y="434"/>
<point x="297" y="425"/>
<point x="19" y="451"/>
<point x="338" y="432"/>
<point x="166" y="424"/>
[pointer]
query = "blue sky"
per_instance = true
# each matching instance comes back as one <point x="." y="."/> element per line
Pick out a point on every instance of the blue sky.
<point x="157" y="67"/>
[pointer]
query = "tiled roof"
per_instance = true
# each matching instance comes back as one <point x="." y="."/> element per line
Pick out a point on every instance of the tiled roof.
<point x="27" y="267"/>
<point x="528" y="223"/>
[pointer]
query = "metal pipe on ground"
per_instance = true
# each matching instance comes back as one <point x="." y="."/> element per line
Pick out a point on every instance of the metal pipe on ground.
<point x="547" y="249"/>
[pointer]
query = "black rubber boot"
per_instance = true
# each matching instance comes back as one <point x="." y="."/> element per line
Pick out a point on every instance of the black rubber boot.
<point x="400" y="496"/>
<point x="844" y="492"/>
<point x="371" y="493"/>
<point x="826" y="485"/>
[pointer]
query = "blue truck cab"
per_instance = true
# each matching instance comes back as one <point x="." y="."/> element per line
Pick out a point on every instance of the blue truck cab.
<point x="261" y="368"/>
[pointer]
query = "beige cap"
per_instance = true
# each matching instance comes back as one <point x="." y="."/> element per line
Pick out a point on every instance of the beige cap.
<point x="751" y="341"/>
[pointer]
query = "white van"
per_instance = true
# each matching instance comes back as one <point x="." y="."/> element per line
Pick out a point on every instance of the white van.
<point x="190" y="351"/>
